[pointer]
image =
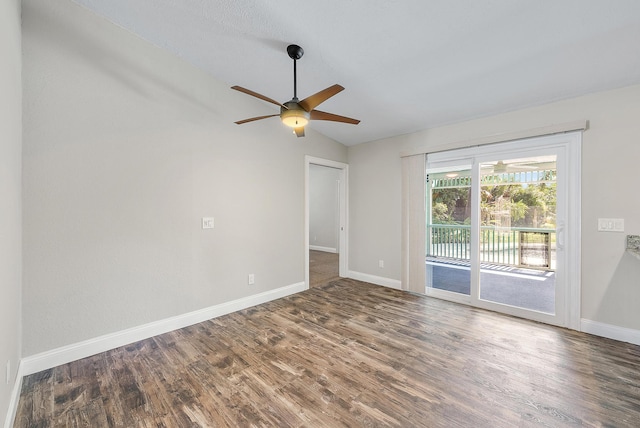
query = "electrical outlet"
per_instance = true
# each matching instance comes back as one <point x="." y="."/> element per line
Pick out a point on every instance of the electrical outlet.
<point x="381" y="264"/>
<point x="252" y="279"/>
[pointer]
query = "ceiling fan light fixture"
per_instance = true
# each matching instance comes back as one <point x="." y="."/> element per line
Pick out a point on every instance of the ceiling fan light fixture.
<point x="500" y="168"/>
<point x="294" y="118"/>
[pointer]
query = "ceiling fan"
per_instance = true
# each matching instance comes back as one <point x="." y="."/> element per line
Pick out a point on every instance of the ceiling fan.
<point x="296" y="113"/>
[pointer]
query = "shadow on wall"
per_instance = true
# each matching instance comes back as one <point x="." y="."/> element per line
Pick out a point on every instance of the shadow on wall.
<point x="132" y="72"/>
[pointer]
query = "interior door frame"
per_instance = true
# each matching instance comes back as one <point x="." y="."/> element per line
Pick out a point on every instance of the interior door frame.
<point x="343" y="201"/>
<point x="568" y="145"/>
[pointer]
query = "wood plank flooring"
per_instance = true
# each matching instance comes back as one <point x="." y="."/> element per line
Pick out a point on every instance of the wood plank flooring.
<point x="323" y="268"/>
<point x="347" y="354"/>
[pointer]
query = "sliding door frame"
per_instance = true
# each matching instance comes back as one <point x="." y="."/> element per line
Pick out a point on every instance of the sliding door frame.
<point x="567" y="146"/>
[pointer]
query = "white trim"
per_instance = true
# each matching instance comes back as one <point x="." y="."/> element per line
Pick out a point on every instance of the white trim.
<point x="15" y="398"/>
<point x="76" y="351"/>
<point x="610" y="331"/>
<point x="377" y="280"/>
<point x="450" y="296"/>
<point x="578" y="125"/>
<point x="325" y="162"/>
<point x="325" y="249"/>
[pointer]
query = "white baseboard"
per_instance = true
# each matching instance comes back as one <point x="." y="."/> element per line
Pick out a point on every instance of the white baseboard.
<point x="378" y="280"/>
<point x="325" y="249"/>
<point x="76" y="351"/>
<point x="15" y="397"/>
<point x="610" y="331"/>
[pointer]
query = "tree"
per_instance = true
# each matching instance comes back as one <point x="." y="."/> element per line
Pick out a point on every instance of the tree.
<point x="450" y="205"/>
<point x="440" y="213"/>
<point x="507" y="205"/>
<point x="527" y="205"/>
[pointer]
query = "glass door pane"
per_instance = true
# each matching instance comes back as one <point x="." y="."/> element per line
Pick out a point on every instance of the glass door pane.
<point x="518" y="232"/>
<point x="448" y="239"/>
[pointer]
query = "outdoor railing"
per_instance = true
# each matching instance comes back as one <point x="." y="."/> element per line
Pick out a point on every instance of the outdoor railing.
<point x="518" y="246"/>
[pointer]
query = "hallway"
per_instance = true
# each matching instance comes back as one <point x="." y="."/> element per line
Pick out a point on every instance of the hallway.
<point x="323" y="268"/>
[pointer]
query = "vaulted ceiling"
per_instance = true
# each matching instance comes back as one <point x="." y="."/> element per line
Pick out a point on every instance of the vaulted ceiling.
<point x="407" y="65"/>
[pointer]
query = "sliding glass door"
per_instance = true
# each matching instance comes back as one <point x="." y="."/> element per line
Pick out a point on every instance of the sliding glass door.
<point x="448" y="235"/>
<point x="518" y="220"/>
<point x="496" y="228"/>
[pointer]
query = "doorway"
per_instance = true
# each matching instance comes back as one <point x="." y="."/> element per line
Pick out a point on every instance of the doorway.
<point x="325" y="220"/>
<point x="502" y="230"/>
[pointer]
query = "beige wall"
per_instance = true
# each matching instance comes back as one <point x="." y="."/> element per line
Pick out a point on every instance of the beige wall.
<point x="126" y="147"/>
<point x="375" y="207"/>
<point x="610" y="162"/>
<point x="10" y="196"/>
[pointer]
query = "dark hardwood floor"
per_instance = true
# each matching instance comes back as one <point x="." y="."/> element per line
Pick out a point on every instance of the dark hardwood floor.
<point x="347" y="354"/>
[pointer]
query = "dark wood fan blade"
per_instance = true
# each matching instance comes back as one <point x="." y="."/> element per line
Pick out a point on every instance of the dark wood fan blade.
<point x="321" y="115"/>
<point x="316" y="99"/>
<point x="240" y="122"/>
<point x="257" y="95"/>
<point x="299" y="131"/>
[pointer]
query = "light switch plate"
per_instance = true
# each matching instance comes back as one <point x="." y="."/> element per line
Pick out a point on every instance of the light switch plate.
<point x="611" y="225"/>
<point x="207" y="222"/>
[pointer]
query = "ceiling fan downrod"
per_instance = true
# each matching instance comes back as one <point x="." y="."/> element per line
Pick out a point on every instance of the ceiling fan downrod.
<point x="295" y="53"/>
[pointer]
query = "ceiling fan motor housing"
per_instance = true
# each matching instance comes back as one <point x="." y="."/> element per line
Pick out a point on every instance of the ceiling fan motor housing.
<point x="294" y="115"/>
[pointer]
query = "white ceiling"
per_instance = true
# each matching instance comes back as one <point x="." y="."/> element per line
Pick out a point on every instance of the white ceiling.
<point x="406" y="65"/>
